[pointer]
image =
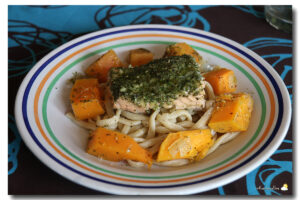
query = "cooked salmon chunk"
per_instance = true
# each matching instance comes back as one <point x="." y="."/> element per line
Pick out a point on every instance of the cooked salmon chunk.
<point x="189" y="102"/>
<point x="172" y="82"/>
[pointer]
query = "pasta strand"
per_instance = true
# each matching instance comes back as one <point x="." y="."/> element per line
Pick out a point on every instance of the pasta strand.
<point x="173" y="163"/>
<point x="151" y="131"/>
<point x="222" y="140"/>
<point x="203" y="119"/>
<point x="209" y="90"/>
<point x="110" y="122"/>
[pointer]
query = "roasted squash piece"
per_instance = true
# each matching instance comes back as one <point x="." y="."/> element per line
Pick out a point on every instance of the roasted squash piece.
<point x="115" y="146"/>
<point x="140" y="56"/>
<point x="222" y="81"/>
<point x="85" y="98"/>
<point x="185" y="144"/>
<point x="204" y="151"/>
<point x="100" y="68"/>
<point x="180" y="49"/>
<point x="231" y="113"/>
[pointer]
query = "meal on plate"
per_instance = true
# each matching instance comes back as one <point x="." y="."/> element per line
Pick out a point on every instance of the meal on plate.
<point x="170" y="111"/>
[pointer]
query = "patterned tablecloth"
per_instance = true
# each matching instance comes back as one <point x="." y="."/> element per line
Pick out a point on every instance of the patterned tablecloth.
<point x="34" y="31"/>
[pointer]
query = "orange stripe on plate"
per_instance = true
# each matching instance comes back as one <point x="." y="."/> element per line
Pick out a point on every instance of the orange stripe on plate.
<point x="38" y="92"/>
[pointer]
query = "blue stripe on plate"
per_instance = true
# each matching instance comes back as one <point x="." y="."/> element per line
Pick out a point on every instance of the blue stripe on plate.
<point x="270" y="77"/>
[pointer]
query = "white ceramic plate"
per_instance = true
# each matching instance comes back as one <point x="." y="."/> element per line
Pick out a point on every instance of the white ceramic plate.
<point x="42" y="102"/>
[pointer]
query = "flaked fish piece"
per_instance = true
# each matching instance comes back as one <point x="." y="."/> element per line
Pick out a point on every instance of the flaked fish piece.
<point x="172" y="82"/>
<point x="189" y="102"/>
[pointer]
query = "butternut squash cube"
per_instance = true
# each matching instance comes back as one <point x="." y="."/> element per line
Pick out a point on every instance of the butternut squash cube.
<point x="115" y="146"/>
<point x="180" y="49"/>
<point x="139" y="57"/>
<point x="222" y="81"/>
<point x="85" y="98"/>
<point x="204" y="151"/>
<point x="101" y="67"/>
<point x="232" y="113"/>
<point x="185" y="144"/>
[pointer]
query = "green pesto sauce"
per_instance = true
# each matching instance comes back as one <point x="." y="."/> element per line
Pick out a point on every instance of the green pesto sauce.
<point x="158" y="82"/>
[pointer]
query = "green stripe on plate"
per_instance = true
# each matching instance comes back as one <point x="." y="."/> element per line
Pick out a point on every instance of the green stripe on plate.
<point x="54" y="81"/>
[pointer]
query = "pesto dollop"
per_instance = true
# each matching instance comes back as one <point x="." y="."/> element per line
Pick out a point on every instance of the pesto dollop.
<point x="158" y="82"/>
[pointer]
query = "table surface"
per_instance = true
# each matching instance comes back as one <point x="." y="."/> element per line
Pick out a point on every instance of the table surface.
<point x="34" y="31"/>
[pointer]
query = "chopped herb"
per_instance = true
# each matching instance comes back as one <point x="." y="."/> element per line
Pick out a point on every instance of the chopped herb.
<point x="158" y="82"/>
<point x="76" y="76"/>
<point x="85" y="100"/>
